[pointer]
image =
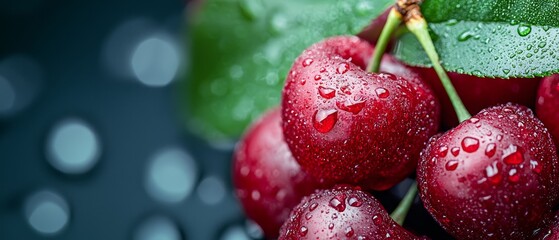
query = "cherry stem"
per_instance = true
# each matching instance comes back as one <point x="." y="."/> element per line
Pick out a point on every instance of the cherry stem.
<point x="392" y="22"/>
<point x="399" y="214"/>
<point x="418" y="26"/>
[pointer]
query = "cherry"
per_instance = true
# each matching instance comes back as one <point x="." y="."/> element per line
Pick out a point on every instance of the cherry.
<point x="548" y="104"/>
<point x="345" y="125"/>
<point x="343" y="212"/>
<point x="494" y="176"/>
<point x="268" y="181"/>
<point x="478" y="93"/>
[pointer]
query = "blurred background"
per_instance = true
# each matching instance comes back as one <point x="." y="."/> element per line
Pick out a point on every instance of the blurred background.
<point x="91" y="141"/>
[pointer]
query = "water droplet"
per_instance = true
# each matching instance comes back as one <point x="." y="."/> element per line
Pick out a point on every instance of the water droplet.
<point x="443" y="150"/>
<point x="499" y="137"/>
<point x="377" y="220"/>
<point x="524" y="29"/>
<point x="317" y="77"/>
<point x="470" y="144"/>
<point x="308" y="216"/>
<point x="542" y="44"/>
<point x="506" y="71"/>
<point x="324" y="120"/>
<point x="466" y="35"/>
<point x="345" y="89"/>
<point x="342" y="68"/>
<point x="535" y="166"/>
<point x="303" y="81"/>
<point x="303" y="231"/>
<point x="514" y="176"/>
<point x="355" y="202"/>
<point x="349" y="232"/>
<point x="451" y="165"/>
<point x="382" y="92"/>
<point x="492" y="173"/>
<point x="313" y="207"/>
<point x="455" y="151"/>
<point x="354" y="105"/>
<point x="338" y="202"/>
<point x="322" y="70"/>
<point x="307" y="62"/>
<point x="331" y="226"/>
<point x="512" y="155"/>
<point x="514" y="22"/>
<point x="474" y="120"/>
<point x="255" y="195"/>
<point x="490" y="150"/>
<point x="327" y="93"/>
<point x="451" y="22"/>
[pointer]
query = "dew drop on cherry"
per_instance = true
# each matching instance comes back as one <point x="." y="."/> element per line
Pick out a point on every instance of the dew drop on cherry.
<point x="451" y="165"/>
<point x="492" y="173"/>
<point x="338" y="202"/>
<point x="308" y="216"/>
<point x="377" y="220"/>
<point x="354" y="105"/>
<point x="382" y="92"/>
<point x="470" y="144"/>
<point x="349" y="232"/>
<point x="345" y="90"/>
<point x="512" y="155"/>
<point x="303" y="231"/>
<point x="313" y="206"/>
<point x="535" y="166"/>
<point x="317" y="77"/>
<point x="443" y="150"/>
<point x="324" y="120"/>
<point x="322" y="70"/>
<point x="354" y="202"/>
<point x="307" y="62"/>
<point x="514" y="175"/>
<point x="455" y="151"/>
<point x="490" y="150"/>
<point x="327" y="93"/>
<point x="342" y="68"/>
<point x="331" y="226"/>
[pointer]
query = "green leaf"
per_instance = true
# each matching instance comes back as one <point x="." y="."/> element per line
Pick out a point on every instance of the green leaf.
<point x="489" y="38"/>
<point x="242" y="50"/>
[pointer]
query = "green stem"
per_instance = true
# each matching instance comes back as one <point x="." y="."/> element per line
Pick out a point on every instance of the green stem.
<point x="418" y="26"/>
<point x="399" y="214"/>
<point x="392" y="22"/>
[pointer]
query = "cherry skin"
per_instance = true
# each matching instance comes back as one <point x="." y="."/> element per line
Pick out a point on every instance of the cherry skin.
<point x="547" y="105"/>
<point x="268" y="181"/>
<point x="478" y="93"/>
<point x="494" y="176"/>
<point x="345" y="125"/>
<point x="343" y="212"/>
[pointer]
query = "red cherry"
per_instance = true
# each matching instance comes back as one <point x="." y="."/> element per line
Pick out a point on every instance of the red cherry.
<point x="343" y="212"/>
<point x="478" y="93"/>
<point x="351" y="126"/>
<point x="503" y="182"/>
<point x="268" y="181"/>
<point x="547" y="105"/>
